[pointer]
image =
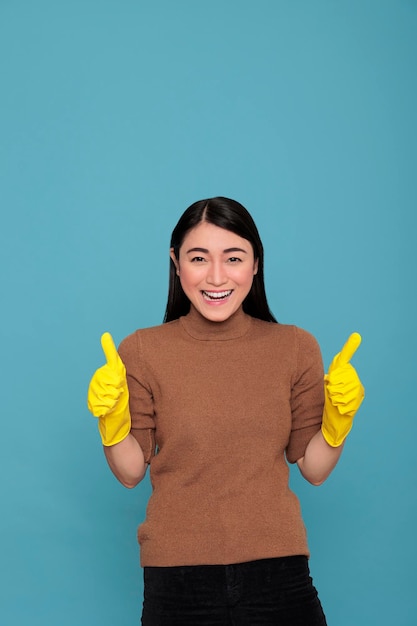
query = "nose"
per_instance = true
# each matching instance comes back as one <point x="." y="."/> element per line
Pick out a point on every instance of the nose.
<point x="217" y="274"/>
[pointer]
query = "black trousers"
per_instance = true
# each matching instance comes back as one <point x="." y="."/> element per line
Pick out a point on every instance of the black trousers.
<point x="273" y="592"/>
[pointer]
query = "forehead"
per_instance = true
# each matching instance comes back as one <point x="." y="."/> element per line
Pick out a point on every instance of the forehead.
<point x="214" y="238"/>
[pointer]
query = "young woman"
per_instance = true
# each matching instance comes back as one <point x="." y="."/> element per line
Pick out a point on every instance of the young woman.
<point x="216" y="401"/>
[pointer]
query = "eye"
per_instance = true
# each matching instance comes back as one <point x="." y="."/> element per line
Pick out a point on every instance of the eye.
<point x="197" y="259"/>
<point x="234" y="259"/>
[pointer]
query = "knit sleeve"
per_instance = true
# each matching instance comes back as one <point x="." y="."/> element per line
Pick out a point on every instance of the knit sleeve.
<point x="307" y="395"/>
<point x="140" y="395"/>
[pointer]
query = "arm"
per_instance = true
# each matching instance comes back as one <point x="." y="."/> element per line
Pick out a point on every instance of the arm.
<point x="126" y="461"/>
<point x="319" y="460"/>
<point x="343" y="393"/>
<point x="108" y="400"/>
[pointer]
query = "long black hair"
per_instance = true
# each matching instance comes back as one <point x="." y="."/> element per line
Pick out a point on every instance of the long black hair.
<point x="230" y="215"/>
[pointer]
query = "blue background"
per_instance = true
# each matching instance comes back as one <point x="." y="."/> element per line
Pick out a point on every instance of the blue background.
<point x="114" y="117"/>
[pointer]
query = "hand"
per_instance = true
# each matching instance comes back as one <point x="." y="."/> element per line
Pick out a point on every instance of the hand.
<point x="343" y="392"/>
<point x="108" y="396"/>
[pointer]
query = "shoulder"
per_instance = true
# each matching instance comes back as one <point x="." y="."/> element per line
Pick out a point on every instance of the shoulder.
<point x="144" y="347"/>
<point x="153" y="336"/>
<point x="290" y="343"/>
<point x="288" y="332"/>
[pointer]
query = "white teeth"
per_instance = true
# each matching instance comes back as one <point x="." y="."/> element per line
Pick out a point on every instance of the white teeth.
<point x="217" y="295"/>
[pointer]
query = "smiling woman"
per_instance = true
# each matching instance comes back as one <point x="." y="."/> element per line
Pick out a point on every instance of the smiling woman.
<point x="217" y="401"/>
<point x="231" y="218"/>
<point x="214" y="278"/>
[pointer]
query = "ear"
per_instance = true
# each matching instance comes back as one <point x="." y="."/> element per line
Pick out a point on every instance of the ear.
<point x="174" y="260"/>
<point x="255" y="267"/>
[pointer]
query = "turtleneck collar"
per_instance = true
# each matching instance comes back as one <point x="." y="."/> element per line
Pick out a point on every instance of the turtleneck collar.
<point x="201" y="328"/>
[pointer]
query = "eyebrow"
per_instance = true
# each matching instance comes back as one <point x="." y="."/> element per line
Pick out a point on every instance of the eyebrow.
<point x="227" y="251"/>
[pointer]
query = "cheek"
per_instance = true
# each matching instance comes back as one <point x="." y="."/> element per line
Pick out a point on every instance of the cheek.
<point x="246" y="276"/>
<point x="189" y="277"/>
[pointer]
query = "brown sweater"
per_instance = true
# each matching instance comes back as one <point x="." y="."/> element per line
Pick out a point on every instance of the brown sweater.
<point x="223" y="403"/>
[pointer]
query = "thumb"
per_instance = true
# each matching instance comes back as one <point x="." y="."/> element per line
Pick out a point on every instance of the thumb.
<point x="109" y="349"/>
<point x="348" y="350"/>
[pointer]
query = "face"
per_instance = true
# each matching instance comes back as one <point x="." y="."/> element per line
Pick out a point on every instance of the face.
<point x="216" y="270"/>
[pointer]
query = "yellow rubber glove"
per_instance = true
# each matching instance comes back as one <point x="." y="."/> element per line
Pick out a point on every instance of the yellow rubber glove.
<point x="108" y="396"/>
<point x="343" y="394"/>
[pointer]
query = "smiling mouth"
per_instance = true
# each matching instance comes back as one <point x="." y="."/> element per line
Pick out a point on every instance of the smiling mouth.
<point x="216" y="295"/>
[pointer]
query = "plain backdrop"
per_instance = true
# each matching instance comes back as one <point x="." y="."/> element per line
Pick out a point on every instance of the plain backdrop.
<point x="114" y="117"/>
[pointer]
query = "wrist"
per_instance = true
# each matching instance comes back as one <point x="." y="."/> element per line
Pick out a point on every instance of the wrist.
<point x="115" y="426"/>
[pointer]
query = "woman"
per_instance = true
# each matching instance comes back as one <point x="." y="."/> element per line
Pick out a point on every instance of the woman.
<point x="217" y="400"/>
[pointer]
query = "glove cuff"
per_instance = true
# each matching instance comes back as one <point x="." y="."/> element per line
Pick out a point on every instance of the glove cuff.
<point x="333" y="438"/>
<point x="114" y="428"/>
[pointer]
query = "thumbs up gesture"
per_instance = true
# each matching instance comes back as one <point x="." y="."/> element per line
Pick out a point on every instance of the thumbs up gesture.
<point x="108" y="396"/>
<point x="343" y="393"/>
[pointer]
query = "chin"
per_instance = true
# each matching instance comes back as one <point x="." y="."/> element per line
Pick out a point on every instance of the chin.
<point x="217" y="316"/>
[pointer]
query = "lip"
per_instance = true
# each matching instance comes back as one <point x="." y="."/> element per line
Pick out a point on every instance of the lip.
<point x="205" y="293"/>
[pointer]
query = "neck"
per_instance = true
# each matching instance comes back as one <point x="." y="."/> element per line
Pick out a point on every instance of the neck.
<point x="201" y="328"/>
